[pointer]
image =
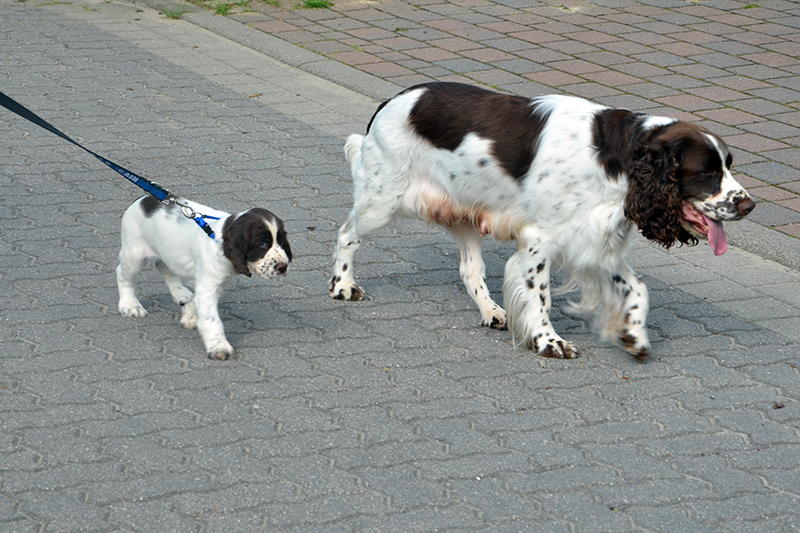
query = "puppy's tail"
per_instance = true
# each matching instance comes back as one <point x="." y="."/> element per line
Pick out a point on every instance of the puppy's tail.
<point x="353" y="147"/>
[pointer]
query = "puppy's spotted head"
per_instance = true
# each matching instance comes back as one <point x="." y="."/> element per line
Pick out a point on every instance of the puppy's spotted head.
<point x="255" y="241"/>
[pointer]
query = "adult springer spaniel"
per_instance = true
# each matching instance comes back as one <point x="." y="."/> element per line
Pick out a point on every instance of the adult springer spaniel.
<point x="566" y="178"/>
<point x="252" y="241"/>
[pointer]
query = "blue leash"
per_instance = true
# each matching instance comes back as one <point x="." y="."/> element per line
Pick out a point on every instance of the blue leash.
<point x="148" y="186"/>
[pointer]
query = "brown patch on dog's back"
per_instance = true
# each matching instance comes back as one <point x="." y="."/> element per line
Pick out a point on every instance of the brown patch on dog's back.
<point x="446" y="112"/>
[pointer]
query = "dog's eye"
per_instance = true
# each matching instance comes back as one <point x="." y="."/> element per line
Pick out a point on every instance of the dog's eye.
<point x="265" y="244"/>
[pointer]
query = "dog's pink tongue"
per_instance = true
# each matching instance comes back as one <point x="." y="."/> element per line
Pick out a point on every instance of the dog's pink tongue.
<point x="716" y="235"/>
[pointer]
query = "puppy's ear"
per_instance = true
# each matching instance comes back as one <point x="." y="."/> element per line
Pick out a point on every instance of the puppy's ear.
<point x="653" y="201"/>
<point x="234" y="246"/>
<point x="283" y="242"/>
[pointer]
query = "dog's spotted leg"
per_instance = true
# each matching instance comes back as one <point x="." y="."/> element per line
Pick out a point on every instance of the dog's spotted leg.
<point x="343" y="285"/>
<point x="632" y="333"/>
<point x="372" y="211"/>
<point x="473" y="271"/>
<point x="526" y="292"/>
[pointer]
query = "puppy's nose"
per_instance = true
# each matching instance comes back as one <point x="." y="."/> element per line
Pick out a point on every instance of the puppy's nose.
<point x="745" y="206"/>
<point x="281" y="268"/>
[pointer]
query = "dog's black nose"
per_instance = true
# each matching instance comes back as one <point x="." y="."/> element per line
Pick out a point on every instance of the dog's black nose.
<point x="281" y="268"/>
<point x="745" y="206"/>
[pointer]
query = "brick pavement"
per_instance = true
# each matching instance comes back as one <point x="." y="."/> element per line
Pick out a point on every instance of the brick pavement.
<point x="393" y="414"/>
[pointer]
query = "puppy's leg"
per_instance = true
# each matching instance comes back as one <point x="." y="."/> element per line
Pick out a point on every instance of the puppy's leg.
<point x="129" y="267"/>
<point x="189" y="315"/>
<point x="180" y="292"/>
<point x="526" y="291"/>
<point x="473" y="271"/>
<point x="632" y="332"/>
<point x="209" y="324"/>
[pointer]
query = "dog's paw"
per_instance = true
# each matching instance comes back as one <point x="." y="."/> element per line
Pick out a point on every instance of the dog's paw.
<point x="343" y="291"/>
<point x="638" y="349"/>
<point x="221" y="351"/>
<point x="134" y="310"/>
<point x="189" y="315"/>
<point x="553" y="347"/>
<point x="497" y="320"/>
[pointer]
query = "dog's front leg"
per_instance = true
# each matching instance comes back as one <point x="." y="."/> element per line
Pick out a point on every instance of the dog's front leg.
<point x="526" y="292"/>
<point x="209" y="324"/>
<point x="633" y="331"/>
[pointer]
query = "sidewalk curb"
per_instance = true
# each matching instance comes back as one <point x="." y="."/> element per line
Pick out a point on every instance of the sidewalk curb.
<point x="287" y="53"/>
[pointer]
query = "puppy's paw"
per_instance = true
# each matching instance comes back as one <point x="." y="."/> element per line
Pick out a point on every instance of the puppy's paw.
<point x="188" y="315"/>
<point x="221" y="351"/>
<point x="345" y="291"/>
<point x="132" y="309"/>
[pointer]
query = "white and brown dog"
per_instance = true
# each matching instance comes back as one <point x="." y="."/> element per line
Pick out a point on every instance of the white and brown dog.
<point x="568" y="179"/>
<point x="252" y="241"/>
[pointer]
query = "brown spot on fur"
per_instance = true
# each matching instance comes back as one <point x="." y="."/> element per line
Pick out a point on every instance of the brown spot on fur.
<point x="627" y="340"/>
<point x="511" y="122"/>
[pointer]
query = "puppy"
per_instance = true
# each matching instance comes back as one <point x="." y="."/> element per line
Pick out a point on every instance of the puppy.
<point x="252" y="241"/>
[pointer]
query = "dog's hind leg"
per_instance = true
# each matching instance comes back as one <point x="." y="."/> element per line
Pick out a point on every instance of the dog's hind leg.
<point x="129" y="267"/>
<point x="473" y="272"/>
<point x="362" y="222"/>
<point x="374" y="208"/>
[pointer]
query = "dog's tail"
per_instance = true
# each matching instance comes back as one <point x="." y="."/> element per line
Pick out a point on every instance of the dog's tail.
<point x="352" y="147"/>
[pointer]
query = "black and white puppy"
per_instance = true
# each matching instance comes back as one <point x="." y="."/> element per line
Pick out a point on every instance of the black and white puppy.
<point x="252" y="241"/>
<point x="568" y="179"/>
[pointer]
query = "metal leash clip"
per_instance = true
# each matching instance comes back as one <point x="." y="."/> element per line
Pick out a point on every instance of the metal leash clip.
<point x="189" y="212"/>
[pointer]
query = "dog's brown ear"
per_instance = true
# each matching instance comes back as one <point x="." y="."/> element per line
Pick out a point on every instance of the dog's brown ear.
<point x="234" y="247"/>
<point x="237" y="257"/>
<point x="653" y="201"/>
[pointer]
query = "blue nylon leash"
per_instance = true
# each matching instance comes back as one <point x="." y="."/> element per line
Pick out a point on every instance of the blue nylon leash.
<point x="147" y="185"/>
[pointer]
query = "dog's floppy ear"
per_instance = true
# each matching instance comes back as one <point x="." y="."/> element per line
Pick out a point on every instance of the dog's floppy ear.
<point x="234" y="246"/>
<point x="283" y="241"/>
<point x="653" y="201"/>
